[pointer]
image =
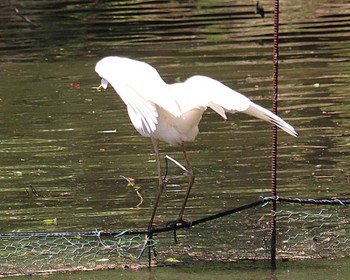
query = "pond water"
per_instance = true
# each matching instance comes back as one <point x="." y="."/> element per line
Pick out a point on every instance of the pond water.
<point x="65" y="146"/>
<point x="311" y="269"/>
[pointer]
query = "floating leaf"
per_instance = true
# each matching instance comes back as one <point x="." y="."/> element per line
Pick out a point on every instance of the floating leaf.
<point x="172" y="260"/>
<point x="50" y="222"/>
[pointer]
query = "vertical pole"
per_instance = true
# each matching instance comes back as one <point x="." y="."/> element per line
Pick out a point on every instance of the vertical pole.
<point x="274" y="134"/>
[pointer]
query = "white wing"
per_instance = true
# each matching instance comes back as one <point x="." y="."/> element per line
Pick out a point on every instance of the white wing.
<point x="141" y="88"/>
<point x="217" y="96"/>
<point x="221" y="99"/>
<point x="143" y="114"/>
<point x="139" y="76"/>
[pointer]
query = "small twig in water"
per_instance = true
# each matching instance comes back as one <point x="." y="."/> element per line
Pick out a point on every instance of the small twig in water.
<point x="18" y="12"/>
<point x="32" y="192"/>
<point x="259" y="9"/>
<point x="131" y="183"/>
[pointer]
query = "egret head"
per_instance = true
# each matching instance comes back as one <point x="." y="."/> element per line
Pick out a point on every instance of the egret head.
<point x="103" y="69"/>
<point x="116" y="71"/>
<point x="104" y="84"/>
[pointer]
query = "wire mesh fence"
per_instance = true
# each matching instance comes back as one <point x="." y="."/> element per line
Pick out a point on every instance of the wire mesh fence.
<point x="305" y="229"/>
<point x="319" y="230"/>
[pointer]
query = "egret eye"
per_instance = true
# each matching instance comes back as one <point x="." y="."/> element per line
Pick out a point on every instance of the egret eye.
<point x="104" y="83"/>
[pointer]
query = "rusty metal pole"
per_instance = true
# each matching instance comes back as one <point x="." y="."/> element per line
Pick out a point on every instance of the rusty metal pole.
<point x="274" y="134"/>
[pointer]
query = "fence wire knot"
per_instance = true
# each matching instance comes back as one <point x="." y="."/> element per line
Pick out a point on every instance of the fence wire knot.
<point x="266" y="199"/>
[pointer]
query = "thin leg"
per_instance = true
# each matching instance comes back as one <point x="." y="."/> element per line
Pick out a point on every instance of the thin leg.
<point x="190" y="183"/>
<point x="149" y="242"/>
<point x="160" y="181"/>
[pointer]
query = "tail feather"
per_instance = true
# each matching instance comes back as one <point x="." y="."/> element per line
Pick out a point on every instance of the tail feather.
<point x="264" y="114"/>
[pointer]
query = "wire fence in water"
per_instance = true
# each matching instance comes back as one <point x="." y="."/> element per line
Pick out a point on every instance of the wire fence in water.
<point x="306" y="229"/>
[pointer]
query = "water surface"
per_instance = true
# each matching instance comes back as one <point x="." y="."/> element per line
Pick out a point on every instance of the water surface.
<point x="64" y="145"/>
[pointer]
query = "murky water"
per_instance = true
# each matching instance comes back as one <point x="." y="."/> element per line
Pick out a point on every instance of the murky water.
<point x="312" y="269"/>
<point x="64" y="145"/>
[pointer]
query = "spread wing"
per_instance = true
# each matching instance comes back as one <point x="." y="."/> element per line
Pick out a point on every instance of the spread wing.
<point x="141" y="88"/>
<point x="222" y="99"/>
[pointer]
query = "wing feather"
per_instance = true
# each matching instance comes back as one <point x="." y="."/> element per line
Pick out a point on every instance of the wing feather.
<point x="217" y="96"/>
<point x="143" y="79"/>
<point x="143" y="114"/>
<point x="223" y="99"/>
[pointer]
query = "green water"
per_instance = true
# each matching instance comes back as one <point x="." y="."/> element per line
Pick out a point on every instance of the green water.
<point x="64" y="146"/>
<point x="287" y="271"/>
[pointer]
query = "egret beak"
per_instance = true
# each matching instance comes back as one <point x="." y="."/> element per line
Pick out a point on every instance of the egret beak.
<point x="100" y="87"/>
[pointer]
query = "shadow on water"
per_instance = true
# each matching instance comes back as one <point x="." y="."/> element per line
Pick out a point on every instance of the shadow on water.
<point x="64" y="146"/>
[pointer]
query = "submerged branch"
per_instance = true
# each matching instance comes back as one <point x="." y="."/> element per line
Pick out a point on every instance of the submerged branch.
<point x="18" y="12"/>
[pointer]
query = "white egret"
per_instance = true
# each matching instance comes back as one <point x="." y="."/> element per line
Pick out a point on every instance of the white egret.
<point x="171" y="112"/>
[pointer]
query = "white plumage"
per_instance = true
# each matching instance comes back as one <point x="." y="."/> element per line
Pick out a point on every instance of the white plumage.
<point x="171" y="113"/>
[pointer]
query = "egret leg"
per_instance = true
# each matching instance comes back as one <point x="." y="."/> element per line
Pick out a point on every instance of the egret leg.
<point x="190" y="184"/>
<point x="155" y="143"/>
<point x="149" y="241"/>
